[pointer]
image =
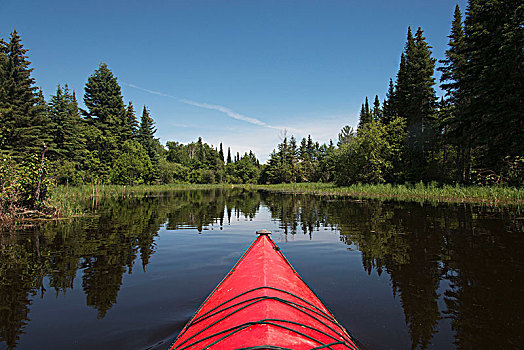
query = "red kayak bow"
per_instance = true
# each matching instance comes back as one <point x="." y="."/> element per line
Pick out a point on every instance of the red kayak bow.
<point x="262" y="303"/>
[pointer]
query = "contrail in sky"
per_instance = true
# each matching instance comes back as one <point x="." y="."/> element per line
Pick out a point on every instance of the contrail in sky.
<point x="230" y="113"/>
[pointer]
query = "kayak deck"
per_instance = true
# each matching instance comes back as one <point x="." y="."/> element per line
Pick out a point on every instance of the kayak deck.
<point x="262" y="303"/>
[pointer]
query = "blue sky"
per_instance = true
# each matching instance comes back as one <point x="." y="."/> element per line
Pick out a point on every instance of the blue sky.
<point x="237" y="72"/>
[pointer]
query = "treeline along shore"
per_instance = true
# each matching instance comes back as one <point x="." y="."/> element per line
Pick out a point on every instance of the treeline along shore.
<point x="471" y="136"/>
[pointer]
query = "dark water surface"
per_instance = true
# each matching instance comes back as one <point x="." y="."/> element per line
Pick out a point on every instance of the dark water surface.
<point x="396" y="275"/>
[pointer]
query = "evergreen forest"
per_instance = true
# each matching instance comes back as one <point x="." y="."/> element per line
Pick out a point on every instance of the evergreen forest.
<point x="473" y="134"/>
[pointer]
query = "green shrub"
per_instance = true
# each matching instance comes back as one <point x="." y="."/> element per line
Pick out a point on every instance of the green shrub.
<point x="133" y="166"/>
<point x="23" y="185"/>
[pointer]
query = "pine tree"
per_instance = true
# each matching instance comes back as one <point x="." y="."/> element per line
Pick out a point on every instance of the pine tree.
<point x="22" y="118"/>
<point x="345" y="135"/>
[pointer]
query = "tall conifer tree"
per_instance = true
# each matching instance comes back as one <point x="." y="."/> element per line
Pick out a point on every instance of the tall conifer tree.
<point x="221" y="153"/>
<point x="103" y="98"/>
<point x="388" y="110"/>
<point x="453" y="65"/>
<point x="65" y="126"/>
<point x="106" y="116"/>
<point x="146" y="137"/>
<point x="345" y="136"/>
<point x="131" y="127"/>
<point x="365" y="114"/>
<point x="22" y="118"/>
<point x="456" y="127"/>
<point x="415" y="100"/>
<point x="377" y="111"/>
<point x="493" y="81"/>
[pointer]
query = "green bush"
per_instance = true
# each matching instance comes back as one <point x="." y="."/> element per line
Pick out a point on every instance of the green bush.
<point x="66" y="172"/>
<point x="170" y="172"/>
<point x="22" y="184"/>
<point x="365" y="158"/>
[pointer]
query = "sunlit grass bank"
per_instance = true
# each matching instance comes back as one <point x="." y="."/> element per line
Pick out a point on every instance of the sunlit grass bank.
<point x="71" y="201"/>
<point x="496" y="195"/>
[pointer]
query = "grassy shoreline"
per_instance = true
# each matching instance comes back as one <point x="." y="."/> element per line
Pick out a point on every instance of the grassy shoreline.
<point x="496" y="195"/>
<point x="67" y="201"/>
<point x="71" y="201"/>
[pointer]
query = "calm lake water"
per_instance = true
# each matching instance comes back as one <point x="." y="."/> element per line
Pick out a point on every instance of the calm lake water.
<point x="396" y="275"/>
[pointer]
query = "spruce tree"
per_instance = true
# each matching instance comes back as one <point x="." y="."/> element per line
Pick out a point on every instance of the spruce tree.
<point x="221" y="153"/>
<point x="146" y="137"/>
<point x="147" y="130"/>
<point x="309" y="148"/>
<point x="302" y="151"/>
<point x="131" y="124"/>
<point x="388" y="110"/>
<point x="456" y="127"/>
<point x="201" y="155"/>
<point x="377" y="111"/>
<point x="22" y="118"/>
<point x="65" y="126"/>
<point x="493" y="81"/>
<point x="401" y="101"/>
<point x="106" y="116"/>
<point x="415" y="100"/>
<point x="103" y="98"/>
<point x="453" y="65"/>
<point x="365" y="115"/>
<point x="422" y="66"/>
<point x="292" y="159"/>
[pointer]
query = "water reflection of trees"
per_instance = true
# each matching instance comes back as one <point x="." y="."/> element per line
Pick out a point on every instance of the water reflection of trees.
<point x="477" y="255"/>
<point x="473" y="257"/>
<point x="104" y="247"/>
<point x="200" y="209"/>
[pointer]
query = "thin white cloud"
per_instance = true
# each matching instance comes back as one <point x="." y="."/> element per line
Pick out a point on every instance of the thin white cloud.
<point x="227" y="111"/>
<point x="149" y="91"/>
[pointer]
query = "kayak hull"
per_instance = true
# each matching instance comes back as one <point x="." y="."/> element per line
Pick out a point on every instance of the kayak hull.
<point x="263" y="303"/>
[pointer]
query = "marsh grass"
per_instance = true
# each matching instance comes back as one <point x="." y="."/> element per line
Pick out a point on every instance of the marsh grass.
<point x="495" y="195"/>
<point x="73" y="201"/>
<point x="76" y="200"/>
